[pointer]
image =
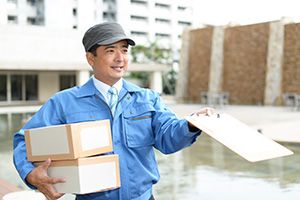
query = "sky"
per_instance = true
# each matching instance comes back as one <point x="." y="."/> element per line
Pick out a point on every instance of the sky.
<point x="223" y="12"/>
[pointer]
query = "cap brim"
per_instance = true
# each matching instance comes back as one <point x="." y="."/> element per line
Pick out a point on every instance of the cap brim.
<point x="116" y="39"/>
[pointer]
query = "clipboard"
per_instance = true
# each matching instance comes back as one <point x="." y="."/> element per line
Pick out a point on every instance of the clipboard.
<point x="239" y="137"/>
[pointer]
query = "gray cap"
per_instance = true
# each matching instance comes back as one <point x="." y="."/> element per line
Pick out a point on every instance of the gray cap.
<point x="104" y="34"/>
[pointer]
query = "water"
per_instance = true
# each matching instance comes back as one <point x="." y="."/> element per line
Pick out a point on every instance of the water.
<point x="208" y="171"/>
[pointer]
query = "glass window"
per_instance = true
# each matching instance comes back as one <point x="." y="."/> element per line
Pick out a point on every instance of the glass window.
<point x="139" y="2"/>
<point x="16" y="122"/>
<point x="3" y="88"/>
<point x="66" y="81"/>
<point x="16" y="87"/>
<point x="162" y="21"/>
<point x="3" y="125"/>
<point x="163" y="6"/>
<point x="11" y="19"/>
<point x="139" y="18"/>
<point x="31" y="21"/>
<point x="31" y="87"/>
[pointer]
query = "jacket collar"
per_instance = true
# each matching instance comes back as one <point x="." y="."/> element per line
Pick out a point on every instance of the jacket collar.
<point x="130" y="87"/>
<point x="89" y="89"/>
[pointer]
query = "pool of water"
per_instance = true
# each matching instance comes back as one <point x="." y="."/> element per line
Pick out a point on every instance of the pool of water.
<point x="208" y="171"/>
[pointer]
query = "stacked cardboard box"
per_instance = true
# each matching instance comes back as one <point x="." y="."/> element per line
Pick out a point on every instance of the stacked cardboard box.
<point x="77" y="153"/>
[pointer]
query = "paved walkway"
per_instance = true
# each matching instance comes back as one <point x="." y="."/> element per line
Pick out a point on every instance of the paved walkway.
<point x="279" y="123"/>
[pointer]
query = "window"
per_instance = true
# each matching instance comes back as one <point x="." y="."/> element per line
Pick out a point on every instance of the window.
<point x="138" y="18"/>
<point x="31" y="2"/>
<point x="31" y="21"/>
<point x="138" y="33"/>
<point x="22" y="87"/>
<point x="12" y="1"/>
<point x="162" y="35"/>
<point x="66" y="81"/>
<point x="31" y="87"/>
<point x="11" y="19"/>
<point x="108" y="1"/>
<point x="163" y="6"/>
<point x="181" y="8"/>
<point x="4" y="129"/>
<point x="183" y="23"/>
<point x="162" y="21"/>
<point x="74" y="11"/>
<point x="139" y="2"/>
<point x="16" y="87"/>
<point x="109" y="16"/>
<point x="3" y="88"/>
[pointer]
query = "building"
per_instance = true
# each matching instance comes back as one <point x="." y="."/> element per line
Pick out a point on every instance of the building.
<point x="254" y="64"/>
<point x="41" y="51"/>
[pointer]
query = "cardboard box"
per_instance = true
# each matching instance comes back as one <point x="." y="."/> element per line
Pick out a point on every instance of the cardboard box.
<point x="87" y="175"/>
<point x="68" y="141"/>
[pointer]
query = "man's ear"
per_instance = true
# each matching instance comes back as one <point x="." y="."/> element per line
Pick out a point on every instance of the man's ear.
<point x="90" y="58"/>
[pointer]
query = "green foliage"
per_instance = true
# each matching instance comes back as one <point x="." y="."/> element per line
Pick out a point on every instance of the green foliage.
<point x="151" y="54"/>
<point x="154" y="54"/>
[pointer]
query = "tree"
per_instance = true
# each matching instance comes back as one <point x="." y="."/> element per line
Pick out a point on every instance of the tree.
<point x="154" y="54"/>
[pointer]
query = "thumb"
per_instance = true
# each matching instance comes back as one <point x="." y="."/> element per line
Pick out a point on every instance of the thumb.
<point x="46" y="164"/>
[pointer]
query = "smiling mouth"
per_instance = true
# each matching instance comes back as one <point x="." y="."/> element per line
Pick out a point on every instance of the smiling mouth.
<point x="117" y="68"/>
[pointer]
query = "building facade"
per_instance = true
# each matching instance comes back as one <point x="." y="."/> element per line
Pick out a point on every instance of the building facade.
<point x="41" y="50"/>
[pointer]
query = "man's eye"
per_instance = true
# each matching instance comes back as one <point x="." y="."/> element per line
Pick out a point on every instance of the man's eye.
<point x="125" y="50"/>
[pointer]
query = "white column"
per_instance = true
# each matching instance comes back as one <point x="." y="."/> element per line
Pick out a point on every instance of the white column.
<point x="183" y="74"/>
<point x="22" y="15"/>
<point x="82" y="77"/>
<point x="216" y="66"/>
<point x="274" y="63"/>
<point x="3" y="12"/>
<point x="156" y="81"/>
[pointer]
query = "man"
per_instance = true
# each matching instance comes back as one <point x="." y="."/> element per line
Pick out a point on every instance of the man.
<point x="140" y="121"/>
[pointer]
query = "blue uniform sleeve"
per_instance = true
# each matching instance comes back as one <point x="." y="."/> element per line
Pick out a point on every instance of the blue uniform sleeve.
<point x="171" y="134"/>
<point x="47" y="115"/>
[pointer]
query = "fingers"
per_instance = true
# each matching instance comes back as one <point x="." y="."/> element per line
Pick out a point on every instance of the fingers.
<point x="40" y="179"/>
<point x="207" y="111"/>
<point x="55" y="180"/>
<point x="45" y="165"/>
<point x="50" y="192"/>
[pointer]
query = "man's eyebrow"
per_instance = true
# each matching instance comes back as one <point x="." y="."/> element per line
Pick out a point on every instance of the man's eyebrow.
<point x="110" y="46"/>
<point x="113" y="46"/>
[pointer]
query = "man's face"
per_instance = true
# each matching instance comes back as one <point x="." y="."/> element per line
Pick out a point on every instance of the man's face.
<point x="110" y="62"/>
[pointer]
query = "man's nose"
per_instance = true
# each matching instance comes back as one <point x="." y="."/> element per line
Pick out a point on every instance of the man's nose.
<point x="119" y="56"/>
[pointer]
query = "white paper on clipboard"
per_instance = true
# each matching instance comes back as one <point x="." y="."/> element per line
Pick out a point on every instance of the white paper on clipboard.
<point x="239" y="137"/>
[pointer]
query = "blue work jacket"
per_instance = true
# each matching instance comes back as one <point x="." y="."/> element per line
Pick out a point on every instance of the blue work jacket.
<point x="141" y="122"/>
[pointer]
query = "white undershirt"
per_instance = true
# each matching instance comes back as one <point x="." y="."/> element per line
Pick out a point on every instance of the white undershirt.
<point x="103" y="88"/>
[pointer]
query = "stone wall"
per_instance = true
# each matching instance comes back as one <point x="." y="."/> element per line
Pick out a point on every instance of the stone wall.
<point x="199" y="62"/>
<point x="245" y="57"/>
<point x="291" y="60"/>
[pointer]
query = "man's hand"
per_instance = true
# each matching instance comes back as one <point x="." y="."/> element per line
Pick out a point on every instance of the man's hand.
<point x="208" y="111"/>
<point x="40" y="179"/>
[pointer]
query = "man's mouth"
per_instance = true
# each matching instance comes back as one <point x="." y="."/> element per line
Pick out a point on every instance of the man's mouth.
<point x="117" y="68"/>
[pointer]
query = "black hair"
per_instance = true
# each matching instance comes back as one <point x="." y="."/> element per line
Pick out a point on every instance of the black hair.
<point x="93" y="49"/>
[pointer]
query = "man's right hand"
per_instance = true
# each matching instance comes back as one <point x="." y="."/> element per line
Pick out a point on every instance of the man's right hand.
<point x="39" y="178"/>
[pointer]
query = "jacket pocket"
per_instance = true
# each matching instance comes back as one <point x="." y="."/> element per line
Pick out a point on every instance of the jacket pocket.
<point x="138" y="125"/>
<point x="85" y="116"/>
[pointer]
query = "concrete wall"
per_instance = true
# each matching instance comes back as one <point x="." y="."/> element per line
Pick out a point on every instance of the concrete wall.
<point x="41" y="48"/>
